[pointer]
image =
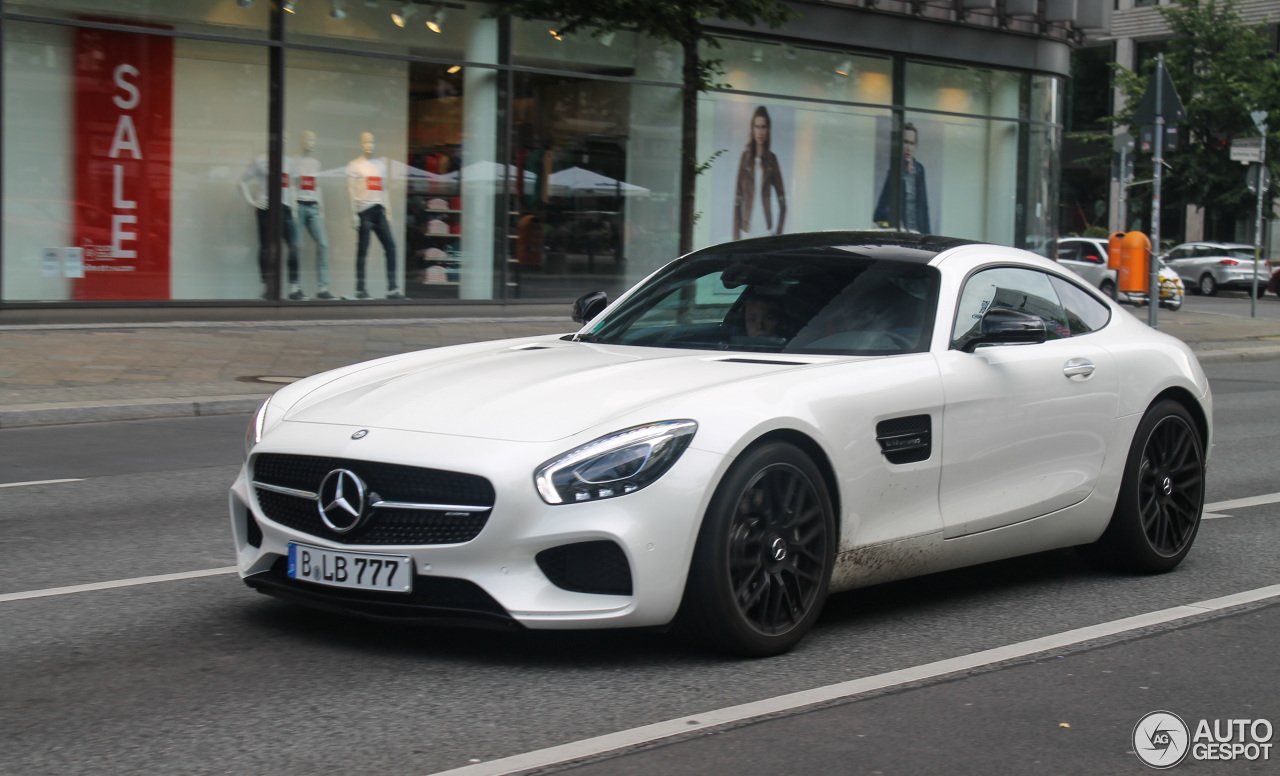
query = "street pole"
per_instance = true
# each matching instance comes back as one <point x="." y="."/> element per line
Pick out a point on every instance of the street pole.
<point x="1124" y="190"/>
<point x="1257" y="224"/>
<point x="1153" y="281"/>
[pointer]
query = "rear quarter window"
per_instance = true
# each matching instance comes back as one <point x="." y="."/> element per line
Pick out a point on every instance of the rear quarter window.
<point x="1084" y="312"/>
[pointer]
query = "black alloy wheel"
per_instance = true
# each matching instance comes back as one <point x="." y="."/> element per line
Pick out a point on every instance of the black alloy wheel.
<point x="763" y="559"/>
<point x="1171" y="486"/>
<point x="1161" y="497"/>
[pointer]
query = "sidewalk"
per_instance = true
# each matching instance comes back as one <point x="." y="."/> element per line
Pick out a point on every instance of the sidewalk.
<point x="77" y="373"/>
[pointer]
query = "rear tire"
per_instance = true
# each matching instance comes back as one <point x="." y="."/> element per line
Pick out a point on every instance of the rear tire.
<point x="763" y="560"/>
<point x="1208" y="285"/>
<point x="1157" y="514"/>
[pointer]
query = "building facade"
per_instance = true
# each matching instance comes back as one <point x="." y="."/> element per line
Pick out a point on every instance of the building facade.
<point x="160" y="153"/>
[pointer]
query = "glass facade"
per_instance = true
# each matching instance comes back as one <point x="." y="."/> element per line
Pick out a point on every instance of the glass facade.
<point x="428" y="152"/>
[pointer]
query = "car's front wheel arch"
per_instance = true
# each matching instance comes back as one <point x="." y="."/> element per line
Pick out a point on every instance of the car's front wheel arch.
<point x="819" y="458"/>
<point x="1191" y="405"/>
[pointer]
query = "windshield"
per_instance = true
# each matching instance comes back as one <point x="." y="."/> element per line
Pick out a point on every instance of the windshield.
<point x="832" y="302"/>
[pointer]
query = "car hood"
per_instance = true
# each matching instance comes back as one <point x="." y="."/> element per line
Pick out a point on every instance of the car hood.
<point x="535" y="391"/>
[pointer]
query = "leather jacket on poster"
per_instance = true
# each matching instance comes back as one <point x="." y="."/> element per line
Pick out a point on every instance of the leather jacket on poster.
<point x="745" y="192"/>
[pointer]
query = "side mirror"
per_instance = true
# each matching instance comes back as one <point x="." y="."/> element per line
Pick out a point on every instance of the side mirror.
<point x="588" y="306"/>
<point x="1004" y="326"/>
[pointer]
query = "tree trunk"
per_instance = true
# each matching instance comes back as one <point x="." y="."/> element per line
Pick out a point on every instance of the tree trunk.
<point x="688" y="145"/>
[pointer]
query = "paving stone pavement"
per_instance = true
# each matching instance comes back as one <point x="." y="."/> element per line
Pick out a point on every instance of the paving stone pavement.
<point x="69" y="373"/>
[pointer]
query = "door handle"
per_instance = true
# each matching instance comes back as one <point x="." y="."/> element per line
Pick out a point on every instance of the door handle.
<point x="1078" y="369"/>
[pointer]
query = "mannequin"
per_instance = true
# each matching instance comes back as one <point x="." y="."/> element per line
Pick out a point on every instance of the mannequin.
<point x="367" y="185"/>
<point x="253" y="187"/>
<point x="311" y="208"/>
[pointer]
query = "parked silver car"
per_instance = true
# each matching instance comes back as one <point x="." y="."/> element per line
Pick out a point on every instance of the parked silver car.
<point x="1210" y="267"/>
<point x="1087" y="257"/>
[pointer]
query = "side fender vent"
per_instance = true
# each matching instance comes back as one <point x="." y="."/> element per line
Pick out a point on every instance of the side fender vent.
<point x="905" y="440"/>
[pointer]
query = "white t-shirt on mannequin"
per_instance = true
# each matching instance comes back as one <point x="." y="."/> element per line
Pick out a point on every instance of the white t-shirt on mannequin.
<point x="370" y="182"/>
<point x="253" y="183"/>
<point x="307" y="168"/>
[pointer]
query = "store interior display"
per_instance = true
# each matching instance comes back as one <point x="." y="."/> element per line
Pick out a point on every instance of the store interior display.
<point x="310" y="207"/>
<point x="253" y="187"/>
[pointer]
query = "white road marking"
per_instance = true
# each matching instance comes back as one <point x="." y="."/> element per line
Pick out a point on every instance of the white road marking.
<point x="648" y="733"/>
<point x="1241" y="503"/>
<point x="35" y="482"/>
<point x="52" y="591"/>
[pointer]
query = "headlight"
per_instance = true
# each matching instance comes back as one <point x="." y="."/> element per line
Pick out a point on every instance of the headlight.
<point x="253" y="435"/>
<point x="614" y="465"/>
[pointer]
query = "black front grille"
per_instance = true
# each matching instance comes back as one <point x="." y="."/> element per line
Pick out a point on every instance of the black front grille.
<point x="389" y="482"/>
<point x="587" y="567"/>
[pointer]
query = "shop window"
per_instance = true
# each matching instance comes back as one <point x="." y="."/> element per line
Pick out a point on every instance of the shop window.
<point x="391" y="200"/>
<point x="591" y="190"/>
<point x="957" y="89"/>
<point x="784" y="166"/>
<point x="450" y="30"/>
<point x="802" y="71"/>
<point x="217" y="17"/>
<point x="623" y="53"/>
<point x="124" y="155"/>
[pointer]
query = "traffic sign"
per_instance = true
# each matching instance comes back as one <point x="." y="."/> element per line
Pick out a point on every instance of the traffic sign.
<point x="1254" y="171"/>
<point x="1246" y="150"/>
<point x="1123" y="143"/>
<point x="1170" y="105"/>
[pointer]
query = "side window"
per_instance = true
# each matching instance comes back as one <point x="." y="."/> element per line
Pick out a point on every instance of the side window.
<point x="1068" y="251"/>
<point x="1084" y="313"/>
<point x="1011" y="287"/>
<point x="1204" y="252"/>
<point x="1179" y="253"/>
<point x="1089" y="252"/>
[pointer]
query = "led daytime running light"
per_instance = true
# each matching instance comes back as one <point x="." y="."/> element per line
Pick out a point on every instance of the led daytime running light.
<point x="664" y="442"/>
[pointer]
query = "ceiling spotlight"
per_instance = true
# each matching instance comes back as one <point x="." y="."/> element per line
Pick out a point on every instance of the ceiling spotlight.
<point x="607" y="38"/>
<point x="555" y="35"/>
<point x="338" y="11"/>
<point x="402" y="16"/>
<point x="757" y="54"/>
<point x="454" y="69"/>
<point x="845" y="67"/>
<point x="437" y="19"/>
<point x="288" y="6"/>
<point x="245" y="3"/>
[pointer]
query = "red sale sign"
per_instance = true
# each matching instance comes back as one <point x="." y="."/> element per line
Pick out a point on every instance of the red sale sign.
<point x="123" y="147"/>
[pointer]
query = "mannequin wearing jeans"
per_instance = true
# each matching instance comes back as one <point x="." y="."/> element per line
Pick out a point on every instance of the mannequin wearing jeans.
<point x="253" y="187"/>
<point x="311" y="208"/>
<point x="367" y="186"/>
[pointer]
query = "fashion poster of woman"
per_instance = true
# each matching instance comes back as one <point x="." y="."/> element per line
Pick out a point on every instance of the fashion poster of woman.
<point x="752" y="178"/>
<point x="920" y="191"/>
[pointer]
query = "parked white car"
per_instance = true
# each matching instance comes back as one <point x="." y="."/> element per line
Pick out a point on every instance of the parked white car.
<point x="1087" y="257"/>
<point x="751" y="427"/>
<point x="1208" y="267"/>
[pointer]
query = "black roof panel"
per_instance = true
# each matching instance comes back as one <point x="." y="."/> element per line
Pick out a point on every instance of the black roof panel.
<point x="896" y="246"/>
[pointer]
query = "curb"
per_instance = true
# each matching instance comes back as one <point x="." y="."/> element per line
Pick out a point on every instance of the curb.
<point x="95" y="412"/>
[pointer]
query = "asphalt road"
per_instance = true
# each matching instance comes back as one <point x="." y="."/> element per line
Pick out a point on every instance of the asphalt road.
<point x="203" y="676"/>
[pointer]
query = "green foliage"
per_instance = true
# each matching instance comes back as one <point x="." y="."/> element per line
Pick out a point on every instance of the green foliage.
<point x="1097" y="231"/>
<point x="1222" y="70"/>
<point x="704" y="166"/>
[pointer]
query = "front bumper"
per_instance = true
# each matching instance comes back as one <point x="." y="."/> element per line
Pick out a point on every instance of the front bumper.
<point x="655" y="528"/>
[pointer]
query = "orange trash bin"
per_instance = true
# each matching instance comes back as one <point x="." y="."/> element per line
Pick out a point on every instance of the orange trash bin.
<point x="1113" y="250"/>
<point x="1135" y="255"/>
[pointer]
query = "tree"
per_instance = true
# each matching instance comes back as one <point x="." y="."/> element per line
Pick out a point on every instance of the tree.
<point x="1222" y="69"/>
<point x="669" y="21"/>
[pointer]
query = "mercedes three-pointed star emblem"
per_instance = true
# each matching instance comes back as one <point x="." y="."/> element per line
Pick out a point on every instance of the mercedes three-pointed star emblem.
<point x="341" y="501"/>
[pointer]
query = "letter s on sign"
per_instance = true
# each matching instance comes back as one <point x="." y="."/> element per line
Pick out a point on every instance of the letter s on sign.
<point x="130" y="102"/>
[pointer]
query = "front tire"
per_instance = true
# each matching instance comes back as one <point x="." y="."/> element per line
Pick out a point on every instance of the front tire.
<point x="1157" y="514"/>
<point x="1108" y="288"/>
<point x="763" y="559"/>
<point x="1208" y="285"/>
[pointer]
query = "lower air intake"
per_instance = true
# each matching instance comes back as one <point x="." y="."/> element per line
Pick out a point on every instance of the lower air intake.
<point x="587" y="567"/>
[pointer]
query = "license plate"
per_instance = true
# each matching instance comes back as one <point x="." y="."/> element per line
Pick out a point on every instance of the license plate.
<point x="359" y="570"/>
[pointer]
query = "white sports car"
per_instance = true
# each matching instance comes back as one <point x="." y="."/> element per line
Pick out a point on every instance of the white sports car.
<point x="753" y="426"/>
